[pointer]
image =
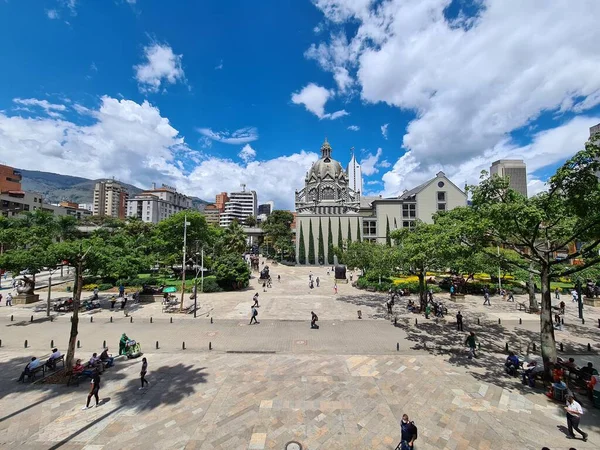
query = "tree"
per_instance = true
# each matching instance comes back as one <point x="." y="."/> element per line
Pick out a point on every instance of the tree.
<point x="250" y="221"/>
<point x="349" y="232"/>
<point x="374" y="260"/>
<point x="564" y="219"/>
<point x="234" y="239"/>
<point x="278" y="230"/>
<point x="301" y="248"/>
<point x="388" y="240"/>
<point x="321" y="245"/>
<point x="231" y="272"/>
<point x="167" y="241"/>
<point x="421" y="249"/>
<point x="358" y="229"/>
<point x="311" y="243"/>
<point x="340" y="240"/>
<point x="329" y="244"/>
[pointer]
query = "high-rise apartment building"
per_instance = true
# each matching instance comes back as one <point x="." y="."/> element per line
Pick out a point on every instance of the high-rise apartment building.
<point x="220" y="201"/>
<point x="595" y="129"/>
<point x="355" y="175"/>
<point x="240" y="205"/>
<point x="212" y="214"/>
<point x="157" y="204"/>
<point x="513" y="169"/>
<point x="110" y="199"/>
<point x="10" y="179"/>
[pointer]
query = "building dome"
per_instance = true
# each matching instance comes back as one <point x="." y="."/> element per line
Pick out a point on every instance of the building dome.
<point x="326" y="165"/>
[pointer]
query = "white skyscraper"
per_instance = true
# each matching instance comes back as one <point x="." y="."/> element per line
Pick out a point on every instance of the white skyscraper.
<point x="355" y="175"/>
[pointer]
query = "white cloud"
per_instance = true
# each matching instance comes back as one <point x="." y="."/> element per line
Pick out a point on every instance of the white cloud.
<point x="52" y="14"/>
<point x="161" y="67"/>
<point x="219" y="66"/>
<point x="136" y="144"/>
<point x="354" y="128"/>
<point x="343" y="79"/>
<point x="384" y="130"/>
<point x="368" y="164"/>
<point x="49" y="108"/>
<point x="247" y="153"/>
<point x="314" y="97"/>
<point x="470" y="81"/>
<point x="240" y="136"/>
<point x="548" y="148"/>
<point x="385" y="164"/>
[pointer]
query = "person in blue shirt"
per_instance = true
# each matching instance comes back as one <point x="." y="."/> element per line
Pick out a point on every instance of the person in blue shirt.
<point x="512" y="364"/>
<point x="408" y="433"/>
<point x="33" y="364"/>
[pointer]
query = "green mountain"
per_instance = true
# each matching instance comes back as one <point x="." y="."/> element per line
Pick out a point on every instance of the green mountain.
<point x="55" y="187"/>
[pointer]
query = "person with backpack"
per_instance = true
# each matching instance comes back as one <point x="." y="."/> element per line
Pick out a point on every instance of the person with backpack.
<point x="254" y="314"/>
<point x="313" y="320"/>
<point x="409" y="434"/>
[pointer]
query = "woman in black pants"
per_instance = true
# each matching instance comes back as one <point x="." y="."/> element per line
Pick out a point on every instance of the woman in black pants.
<point x="95" y="389"/>
<point x="143" y="373"/>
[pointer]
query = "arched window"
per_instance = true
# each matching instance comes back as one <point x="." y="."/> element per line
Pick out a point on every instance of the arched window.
<point x="311" y="194"/>
<point x="327" y="193"/>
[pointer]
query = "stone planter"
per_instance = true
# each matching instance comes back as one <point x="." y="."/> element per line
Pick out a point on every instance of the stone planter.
<point x="458" y="298"/>
<point x="23" y="299"/>
<point x="591" y="301"/>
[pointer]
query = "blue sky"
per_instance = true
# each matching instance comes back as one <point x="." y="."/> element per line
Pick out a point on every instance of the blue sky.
<point x="208" y="95"/>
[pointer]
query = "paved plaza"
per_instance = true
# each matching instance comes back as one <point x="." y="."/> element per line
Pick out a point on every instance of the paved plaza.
<point x="344" y="386"/>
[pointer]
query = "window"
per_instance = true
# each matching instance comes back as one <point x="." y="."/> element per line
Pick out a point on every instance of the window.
<point x="441" y="184"/>
<point x="311" y="195"/>
<point x="409" y="211"/>
<point x="408" y="224"/>
<point x="328" y="193"/>
<point x="441" y="207"/>
<point x="441" y="196"/>
<point x="369" y="227"/>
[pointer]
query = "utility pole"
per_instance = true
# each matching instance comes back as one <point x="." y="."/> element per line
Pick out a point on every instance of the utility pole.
<point x="49" y="292"/>
<point x="185" y="224"/>
<point x="499" y="281"/>
<point x="202" y="275"/>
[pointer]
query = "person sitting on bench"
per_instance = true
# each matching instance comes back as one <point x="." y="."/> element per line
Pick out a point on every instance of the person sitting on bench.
<point x="30" y="367"/>
<point x="534" y="366"/>
<point x="106" y="358"/>
<point x="96" y="363"/>
<point x="51" y="363"/>
<point x="512" y="364"/>
<point x="78" y="369"/>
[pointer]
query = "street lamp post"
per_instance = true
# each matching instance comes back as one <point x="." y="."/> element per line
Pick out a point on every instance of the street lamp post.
<point x="579" y="301"/>
<point x="49" y="292"/>
<point x="499" y="281"/>
<point x="185" y="224"/>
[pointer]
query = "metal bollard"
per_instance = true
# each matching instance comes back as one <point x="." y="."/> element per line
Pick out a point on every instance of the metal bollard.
<point x="561" y="347"/>
<point x="395" y="321"/>
<point x="598" y="323"/>
<point x="211" y="320"/>
<point x="534" y="346"/>
<point x="425" y="344"/>
<point x="397" y="346"/>
<point x="110" y="319"/>
<point x="131" y="319"/>
<point x="589" y="347"/>
<point x="91" y="319"/>
<point x="171" y="320"/>
<point x="25" y="343"/>
<point x="506" y="347"/>
<point x="183" y="346"/>
<point x="520" y="321"/>
<point x="150" y="319"/>
<point x="103" y="344"/>
<point x="478" y="323"/>
<point x="0" y="342"/>
<point x="52" y="343"/>
<point x="31" y="319"/>
<point x="13" y="318"/>
<point x="562" y="320"/>
<point x="499" y="322"/>
<point x="78" y="344"/>
<point x="416" y="321"/>
<point x="582" y="321"/>
<point x="156" y="345"/>
<point x="210" y="345"/>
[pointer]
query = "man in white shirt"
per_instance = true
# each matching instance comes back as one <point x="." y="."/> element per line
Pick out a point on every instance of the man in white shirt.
<point x="574" y="412"/>
<point x="53" y="357"/>
<point x="33" y="364"/>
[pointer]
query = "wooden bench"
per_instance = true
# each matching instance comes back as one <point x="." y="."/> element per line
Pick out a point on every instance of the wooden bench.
<point x="55" y="361"/>
<point x="522" y="306"/>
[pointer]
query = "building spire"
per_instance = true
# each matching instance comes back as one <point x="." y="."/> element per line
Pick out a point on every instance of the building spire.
<point x="326" y="149"/>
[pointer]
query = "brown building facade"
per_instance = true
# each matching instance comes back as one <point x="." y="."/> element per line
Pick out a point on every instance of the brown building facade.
<point x="10" y="179"/>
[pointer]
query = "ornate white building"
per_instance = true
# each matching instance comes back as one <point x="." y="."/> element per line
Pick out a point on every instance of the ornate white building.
<point x="331" y="211"/>
<point x="355" y="174"/>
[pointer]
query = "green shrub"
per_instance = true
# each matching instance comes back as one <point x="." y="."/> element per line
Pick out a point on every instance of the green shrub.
<point x="210" y="285"/>
<point x="104" y="287"/>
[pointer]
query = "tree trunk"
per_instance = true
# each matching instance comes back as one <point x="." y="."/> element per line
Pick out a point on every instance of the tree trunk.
<point x="546" y="323"/>
<point x="421" y="276"/>
<point x="533" y="304"/>
<point x="75" y="317"/>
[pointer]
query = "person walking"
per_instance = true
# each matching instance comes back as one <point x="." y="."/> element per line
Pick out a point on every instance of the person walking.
<point x="335" y="288"/>
<point x="313" y="320"/>
<point x="574" y="412"/>
<point x="408" y="433"/>
<point x="511" y="296"/>
<point x="95" y="293"/>
<point x="143" y="373"/>
<point x="113" y="300"/>
<point x="94" y="390"/>
<point x="557" y="294"/>
<point x="279" y="278"/>
<point x="255" y="298"/>
<point x="459" y="322"/>
<point x="254" y="314"/>
<point x="318" y="281"/>
<point x="574" y="295"/>
<point x="486" y="296"/>
<point x="9" y="299"/>
<point x="471" y="342"/>
<point x="121" y="290"/>
<point x="0" y="298"/>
